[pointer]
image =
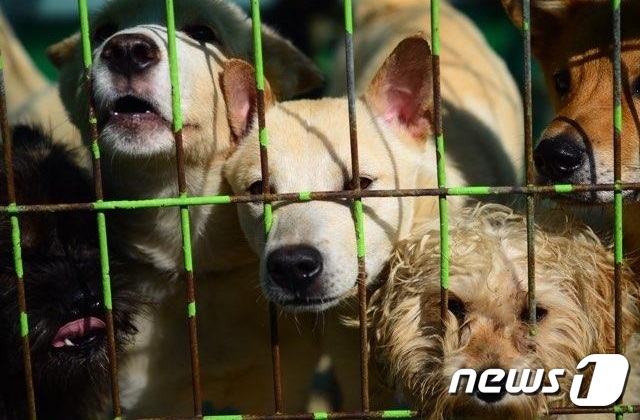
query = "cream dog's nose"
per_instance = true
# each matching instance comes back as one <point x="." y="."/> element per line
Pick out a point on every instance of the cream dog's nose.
<point x="294" y="268"/>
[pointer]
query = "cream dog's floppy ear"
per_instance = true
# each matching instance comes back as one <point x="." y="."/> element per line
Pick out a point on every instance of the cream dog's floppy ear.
<point x="60" y="53"/>
<point x="401" y="92"/>
<point x="238" y="81"/>
<point x="290" y="70"/>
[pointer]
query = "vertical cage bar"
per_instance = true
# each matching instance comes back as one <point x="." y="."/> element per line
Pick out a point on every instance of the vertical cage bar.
<point x="617" y="171"/>
<point x="184" y="210"/>
<point x="530" y="174"/>
<point x="357" y="205"/>
<point x="100" y="216"/>
<point x="266" y="189"/>
<point x="440" y="161"/>
<point x="17" y="249"/>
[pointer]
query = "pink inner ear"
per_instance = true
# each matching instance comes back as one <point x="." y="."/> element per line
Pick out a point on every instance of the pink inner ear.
<point x="401" y="105"/>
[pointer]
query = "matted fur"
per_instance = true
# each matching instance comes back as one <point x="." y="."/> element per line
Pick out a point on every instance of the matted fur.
<point x="574" y="282"/>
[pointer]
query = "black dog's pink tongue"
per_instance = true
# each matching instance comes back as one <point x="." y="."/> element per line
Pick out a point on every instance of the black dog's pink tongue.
<point x="74" y="330"/>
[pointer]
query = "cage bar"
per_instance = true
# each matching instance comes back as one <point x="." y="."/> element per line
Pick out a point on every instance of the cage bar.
<point x="266" y="189"/>
<point x="358" y="214"/>
<point x="184" y="209"/>
<point x="23" y="317"/>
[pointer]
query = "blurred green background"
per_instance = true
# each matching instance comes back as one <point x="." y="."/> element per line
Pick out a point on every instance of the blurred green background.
<point x="313" y="25"/>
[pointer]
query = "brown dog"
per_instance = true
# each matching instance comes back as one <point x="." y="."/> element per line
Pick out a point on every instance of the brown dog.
<point x="572" y="40"/>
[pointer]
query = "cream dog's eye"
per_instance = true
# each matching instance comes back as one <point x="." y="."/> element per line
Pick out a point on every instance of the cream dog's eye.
<point x="201" y="33"/>
<point x="365" y="182"/>
<point x="255" y="188"/>
<point x="541" y="313"/>
<point x="562" y="81"/>
<point x="457" y="308"/>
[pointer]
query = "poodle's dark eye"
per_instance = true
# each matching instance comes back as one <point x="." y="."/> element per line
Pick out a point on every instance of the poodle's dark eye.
<point x="457" y="308"/>
<point x="365" y="182"/>
<point x="541" y="313"/>
<point x="255" y="188"/>
<point x="201" y="33"/>
<point x="562" y="81"/>
<point x="104" y="31"/>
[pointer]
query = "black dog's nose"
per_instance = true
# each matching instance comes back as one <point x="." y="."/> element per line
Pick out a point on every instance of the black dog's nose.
<point x="491" y="397"/>
<point x="558" y="157"/>
<point x="129" y="54"/>
<point x="85" y="300"/>
<point x="294" y="267"/>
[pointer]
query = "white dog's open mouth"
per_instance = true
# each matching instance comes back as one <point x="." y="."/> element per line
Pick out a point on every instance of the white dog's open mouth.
<point x="134" y="113"/>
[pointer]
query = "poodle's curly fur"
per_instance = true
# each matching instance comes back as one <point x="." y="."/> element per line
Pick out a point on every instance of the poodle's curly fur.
<point x="487" y="324"/>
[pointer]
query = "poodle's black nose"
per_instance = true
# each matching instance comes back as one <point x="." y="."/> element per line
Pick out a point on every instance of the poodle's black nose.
<point x="130" y="54"/>
<point x="294" y="268"/>
<point x="492" y="397"/>
<point x="558" y="158"/>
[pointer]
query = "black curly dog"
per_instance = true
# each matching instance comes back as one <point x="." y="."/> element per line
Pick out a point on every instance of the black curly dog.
<point x="63" y="283"/>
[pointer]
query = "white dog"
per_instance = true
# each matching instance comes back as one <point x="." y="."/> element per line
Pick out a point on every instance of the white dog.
<point x="132" y="95"/>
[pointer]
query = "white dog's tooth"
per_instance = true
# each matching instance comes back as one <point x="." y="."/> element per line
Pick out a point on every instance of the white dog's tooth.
<point x="68" y="342"/>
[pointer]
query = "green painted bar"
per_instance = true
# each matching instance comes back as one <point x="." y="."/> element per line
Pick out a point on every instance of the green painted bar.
<point x="563" y="188"/>
<point x="320" y="416"/>
<point x="186" y="238"/>
<point x="435" y="27"/>
<point x="305" y="196"/>
<point x="222" y="417"/>
<point x="360" y="228"/>
<point x="470" y="191"/>
<point x="173" y="68"/>
<point x="83" y="12"/>
<point x="397" y="414"/>
<point x="104" y="260"/>
<point x="257" y="48"/>
<point x="191" y="309"/>
<point x="268" y="218"/>
<point x="348" y="16"/>
<point x="24" y="324"/>
<point x="17" y="248"/>
<point x="618" y="226"/>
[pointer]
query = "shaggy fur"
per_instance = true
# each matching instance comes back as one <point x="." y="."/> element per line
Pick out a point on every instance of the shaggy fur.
<point x="488" y="311"/>
<point x="63" y="283"/>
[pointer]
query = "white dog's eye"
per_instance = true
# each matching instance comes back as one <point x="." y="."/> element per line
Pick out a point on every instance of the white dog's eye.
<point x="365" y="182"/>
<point x="255" y="188"/>
<point x="201" y="33"/>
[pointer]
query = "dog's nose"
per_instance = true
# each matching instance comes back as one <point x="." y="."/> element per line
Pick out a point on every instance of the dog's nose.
<point x="129" y="54"/>
<point x="558" y="157"/>
<point x="294" y="268"/>
<point x="84" y="301"/>
<point x="493" y="397"/>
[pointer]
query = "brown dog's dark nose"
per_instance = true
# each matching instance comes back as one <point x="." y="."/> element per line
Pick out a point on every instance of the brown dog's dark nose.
<point x="493" y="397"/>
<point x="294" y="268"/>
<point x="557" y="158"/>
<point x="129" y="54"/>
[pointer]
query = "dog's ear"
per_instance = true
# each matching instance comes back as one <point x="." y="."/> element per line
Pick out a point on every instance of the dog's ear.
<point x="401" y="92"/>
<point x="238" y="81"/>
<point x="291" y="72"/>
<point x="61" y="52"/>
<point x="547" y="16"/>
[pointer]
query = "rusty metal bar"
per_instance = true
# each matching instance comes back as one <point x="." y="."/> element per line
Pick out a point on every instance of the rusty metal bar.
<point x="15" y="239"/>
<point x="357" y="205"/>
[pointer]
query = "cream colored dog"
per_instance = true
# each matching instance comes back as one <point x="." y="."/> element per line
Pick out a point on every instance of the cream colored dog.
<point x="482" y="108"/>
<point x="132" y="95"/>
<point x="308" y="261"/>
<point x="487" y="325"/>
<point x="31" y="98"/>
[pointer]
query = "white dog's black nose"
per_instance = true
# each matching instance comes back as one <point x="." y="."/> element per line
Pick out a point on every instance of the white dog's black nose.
<point x="294" y="268"/>
<point x="557" y="158"/>
<point x="493" y="397"/>
<point x="129" y="54"/>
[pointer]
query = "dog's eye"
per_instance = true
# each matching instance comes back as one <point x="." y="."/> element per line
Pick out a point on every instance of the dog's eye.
<point x="201" y="33"/>
<point x="541" y="313"/>
<point x="562" y="81"/>
<point x="457" y="308"/>
<point x="104" y="31"/>
<point x="636" y="87"/>
<point x="365" y="182"/>
<point x="255" y="188"/>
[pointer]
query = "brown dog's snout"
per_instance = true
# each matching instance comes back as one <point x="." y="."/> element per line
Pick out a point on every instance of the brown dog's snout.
<point x="295" y="268"/>
<point x="559" y="157"/>
<point x="129" y="54"/>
